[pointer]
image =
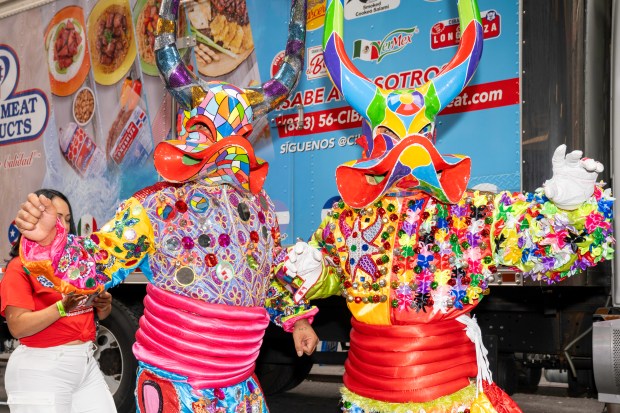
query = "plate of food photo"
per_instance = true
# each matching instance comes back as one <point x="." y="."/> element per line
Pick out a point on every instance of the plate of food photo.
<point x="145" y="15"/>
<point x="110" y="36"/>
<point x="67" y="51"/>
<point x="223" y="34"/>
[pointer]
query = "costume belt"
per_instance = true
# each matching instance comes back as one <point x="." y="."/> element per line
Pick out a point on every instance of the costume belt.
<point x="213" y="345"/>
<point x="409" y="363"/>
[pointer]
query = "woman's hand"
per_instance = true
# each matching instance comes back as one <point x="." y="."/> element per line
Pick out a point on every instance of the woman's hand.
<point x="70" y="301"/>
<point x="304" y="337"/>
<point x="103" y="305"/>
<point x="36" y="219"/>
<point x="24" y="322"/>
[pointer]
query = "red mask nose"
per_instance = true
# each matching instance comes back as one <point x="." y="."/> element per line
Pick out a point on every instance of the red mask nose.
<point x="177" y="165"/>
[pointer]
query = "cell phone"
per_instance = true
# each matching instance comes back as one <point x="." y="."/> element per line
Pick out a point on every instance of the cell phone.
<point x="91" y="299"/>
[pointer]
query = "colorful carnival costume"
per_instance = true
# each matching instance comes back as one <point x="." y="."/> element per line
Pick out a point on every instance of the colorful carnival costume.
<point x="412" y="251"/>
<point x="207" y="239"/>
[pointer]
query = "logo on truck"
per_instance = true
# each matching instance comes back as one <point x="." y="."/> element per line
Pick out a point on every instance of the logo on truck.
<point x="376" y="50"/>
<point x="23" y="115"/>
<point x="316" y="14"/>
<point x="447" y="33"/>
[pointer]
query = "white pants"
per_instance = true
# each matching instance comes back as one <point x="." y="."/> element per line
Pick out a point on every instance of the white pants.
<point x="61" y="379"/>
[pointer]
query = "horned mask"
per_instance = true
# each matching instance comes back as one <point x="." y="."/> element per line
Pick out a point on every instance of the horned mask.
<point x="397" y="152"/>
<point x="217" y="117"/>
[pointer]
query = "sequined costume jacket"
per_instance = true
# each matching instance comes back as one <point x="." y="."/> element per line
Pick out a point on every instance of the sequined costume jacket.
<point x="412" y="263"/>
<point x="209" y="254"/>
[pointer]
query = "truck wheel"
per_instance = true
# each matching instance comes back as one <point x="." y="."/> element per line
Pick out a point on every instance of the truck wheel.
<point x="277" y="378"/>
<point x="583" y="385"/>
<point x="506" y="376"/>
<point x="115" y="338"/>
<point x="300" y="371"/>
<point x="528" y="379"/>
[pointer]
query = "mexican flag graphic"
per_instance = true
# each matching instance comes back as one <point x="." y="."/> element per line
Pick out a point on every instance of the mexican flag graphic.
<point x="366" y="50"/>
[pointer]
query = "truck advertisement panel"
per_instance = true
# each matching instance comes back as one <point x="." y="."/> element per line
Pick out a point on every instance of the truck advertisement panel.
<point x="397" y="44"/>
<point x="82" y="106"/>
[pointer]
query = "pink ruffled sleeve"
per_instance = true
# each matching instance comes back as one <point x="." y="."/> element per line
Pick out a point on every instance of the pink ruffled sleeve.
<point x="31" y="252"/>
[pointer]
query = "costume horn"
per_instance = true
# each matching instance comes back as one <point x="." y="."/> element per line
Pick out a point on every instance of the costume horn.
<point x="270" y="94"/>
<point x="454" y="76"/>
<point x="183" y="85"/>
<point x="415" y="108"/>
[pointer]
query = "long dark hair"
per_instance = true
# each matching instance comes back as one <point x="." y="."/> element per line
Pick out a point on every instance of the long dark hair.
<point x="51" y="194"/>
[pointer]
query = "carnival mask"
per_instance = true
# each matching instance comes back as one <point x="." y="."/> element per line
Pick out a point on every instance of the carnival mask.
<point x="212" y="143"/>
<point x="398" y="154"/>
<point x="217" y="117"/>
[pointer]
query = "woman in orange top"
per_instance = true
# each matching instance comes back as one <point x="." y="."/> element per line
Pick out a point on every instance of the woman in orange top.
<point x="53" y="369"/>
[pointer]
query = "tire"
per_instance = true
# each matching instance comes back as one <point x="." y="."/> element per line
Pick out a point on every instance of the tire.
<point x="115" y="339"/>
<point x="529" y="377"/>
<point x="583" y="385"/>
<point x="278" y="378"/>
<point x="506" y="375"/>
<point x="301" y="369"/>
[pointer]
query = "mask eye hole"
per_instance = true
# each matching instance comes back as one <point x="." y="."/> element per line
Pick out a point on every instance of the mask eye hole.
<point x="430" y="132"/>
<point x="382" y="130"/>
<point x="201" y="125"/>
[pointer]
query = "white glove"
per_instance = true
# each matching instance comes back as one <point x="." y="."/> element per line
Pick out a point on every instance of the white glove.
<point x="573" y="178"/>
<point x="305" y="263"/>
